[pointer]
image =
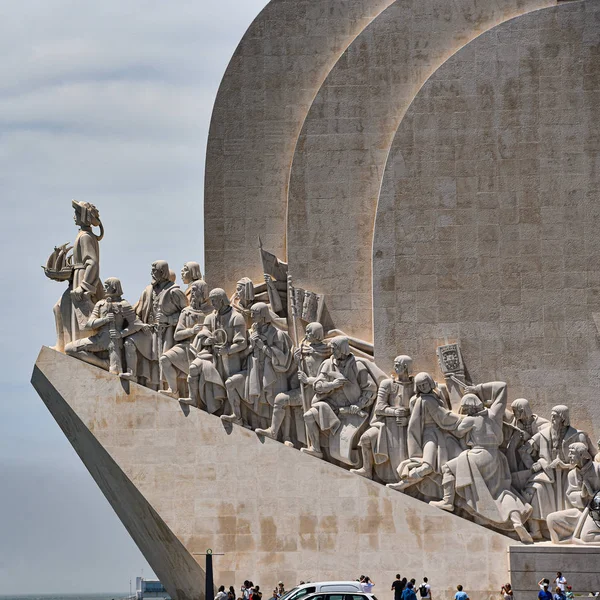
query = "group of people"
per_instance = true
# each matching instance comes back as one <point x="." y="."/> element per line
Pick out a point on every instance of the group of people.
<point x="458" y="446"/>
<point x="249" y="591"/>
<point x="558" y="590"/>
<point x="405" y="589"/>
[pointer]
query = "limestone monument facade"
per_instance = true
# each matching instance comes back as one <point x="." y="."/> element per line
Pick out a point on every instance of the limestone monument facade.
<point x="442" y="210"/>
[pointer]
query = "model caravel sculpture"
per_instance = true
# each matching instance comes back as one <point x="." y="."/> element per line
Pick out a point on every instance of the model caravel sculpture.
<point x="456" y="445"/>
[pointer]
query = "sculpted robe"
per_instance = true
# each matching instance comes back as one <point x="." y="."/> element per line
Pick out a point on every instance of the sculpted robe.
<point x="72" y="315"/>
<point x="575" y="524"/>
<point x="548" y="488"/>
<point x="212" y="368"/>
<point x="359" y="390"/>
<point x="180" y="354"/>
<point x="482" y="476"/>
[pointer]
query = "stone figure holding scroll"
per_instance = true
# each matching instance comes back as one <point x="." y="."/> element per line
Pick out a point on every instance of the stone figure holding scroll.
<point x="158" y="308"/>
<point x="268" y="368"/>
<point x="73" y="310"/>
<point x="384" y="444"/>
<point x="309" y="357"/>
<point x="549" y="449"/>
<point x="343" y="385"/>
<point x="478" y="480"/>
<point x="429" y="444"/>
<point x="575" y="524"/>
<point x="177" y="359"/>
<point x="219" y="353"/>
<point x="113" y="320"/>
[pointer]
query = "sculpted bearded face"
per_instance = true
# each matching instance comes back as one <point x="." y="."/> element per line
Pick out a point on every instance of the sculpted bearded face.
<point x="159" y="271"/>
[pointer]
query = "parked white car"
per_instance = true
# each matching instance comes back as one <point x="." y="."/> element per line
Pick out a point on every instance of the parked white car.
<point x="323" y="587"/>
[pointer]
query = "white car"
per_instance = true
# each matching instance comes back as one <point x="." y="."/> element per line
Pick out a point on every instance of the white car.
<point x="324" y="587"/>
<point x="340" y="596"/>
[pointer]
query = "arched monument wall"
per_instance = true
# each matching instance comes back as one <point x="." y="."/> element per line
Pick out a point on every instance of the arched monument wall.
<point x="342" y="150"/>
<point x="488" y="217"/>
<point x="265" y="94"/>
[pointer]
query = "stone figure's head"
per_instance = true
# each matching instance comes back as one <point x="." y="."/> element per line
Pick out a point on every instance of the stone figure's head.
<point x="218" y="298"/>
<point x="579" y="454"/>
<point x="470" y="404"/>
<point x="113" y="287"/>
<point x="85" y="214"/>
<point x="160" y="271"/>
<point x="340" y="347"/>
<point x="424" y="383"/>
<point x="260" y="313"/>
<point x="403" y="367"/>
<point x="190" y="272"/>
<point x="244" y="289"/>
<point x="521" y="409"/>
<point x="559" y="417"/>
<point x="314" y="333"/>
<point x="198" y="293"/>
<point x="172" y="276"/>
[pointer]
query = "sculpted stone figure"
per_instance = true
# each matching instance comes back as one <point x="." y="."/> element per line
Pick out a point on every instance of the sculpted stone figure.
<point x="190" y="272"/>
<point x="343" y="384"/>
<point x="384" y="445"/>
<point x="479" y="477"/>
<point x="309" y="357"/>
<point x="74" y="308"/>
<point x="178" y="358"/>
<point x="247" y="295"/>
<point x="219" y="348"/>
<point x="429" y="445"/>
<point x="575" y="524"/>
<point x="549" y="448"/>
<point x="523" y="425"/>
<point x="158" y="308"/>
<point x="112" y="319"/>
<point x="268" y="368"/>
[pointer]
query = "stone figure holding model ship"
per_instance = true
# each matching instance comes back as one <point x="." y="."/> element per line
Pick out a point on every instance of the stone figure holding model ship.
<point x="82" y="271"/>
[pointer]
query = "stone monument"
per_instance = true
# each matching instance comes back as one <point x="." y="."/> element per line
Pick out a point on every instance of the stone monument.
<point x="441" y="208"/>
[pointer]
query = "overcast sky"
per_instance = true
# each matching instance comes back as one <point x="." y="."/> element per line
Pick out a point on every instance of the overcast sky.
<point x="107" y="102"/>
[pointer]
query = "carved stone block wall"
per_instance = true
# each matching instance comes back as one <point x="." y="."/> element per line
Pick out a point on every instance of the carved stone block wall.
<point x="488" y="219"/>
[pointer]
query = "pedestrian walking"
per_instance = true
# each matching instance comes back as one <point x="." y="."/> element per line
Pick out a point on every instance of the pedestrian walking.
<point x="409" y="592"/>
<point x="560" y="582"/>
<point x="221" y="593"/>
<point x="367" y="585"/>
<point x="506" y="592"/>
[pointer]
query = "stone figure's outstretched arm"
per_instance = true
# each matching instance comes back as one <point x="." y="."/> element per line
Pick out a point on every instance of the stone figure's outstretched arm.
<point x="494" y="395"/>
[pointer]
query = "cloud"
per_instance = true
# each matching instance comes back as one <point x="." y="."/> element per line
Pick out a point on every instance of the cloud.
<point x="108" y="102"/>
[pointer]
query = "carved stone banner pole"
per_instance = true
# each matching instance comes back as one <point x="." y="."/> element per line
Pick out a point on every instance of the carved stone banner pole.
<point x="294" y="305"/>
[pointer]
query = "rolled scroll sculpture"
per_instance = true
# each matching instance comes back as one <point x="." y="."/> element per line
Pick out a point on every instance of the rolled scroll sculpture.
<point x="461" y="447"/>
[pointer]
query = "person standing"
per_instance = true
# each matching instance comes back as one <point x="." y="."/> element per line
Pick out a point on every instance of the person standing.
<point x="409" y="593"/>
<point x="280" y="589"/>
<point x="425" y="589"/>
<point x="367" y="585"/>
<point x="558" y="594"/>
<point x="506" y="592"/>
<point x="560" y="581"/>
<point x="462" y="595"/>
<point x="398" y="587"/>
<point x="544" y="594"/>
<point x="221" y="594"/>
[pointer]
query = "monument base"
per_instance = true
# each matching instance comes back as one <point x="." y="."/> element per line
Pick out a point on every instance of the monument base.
<point x="529" y="564"/>
<point x="182" y="483"/>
